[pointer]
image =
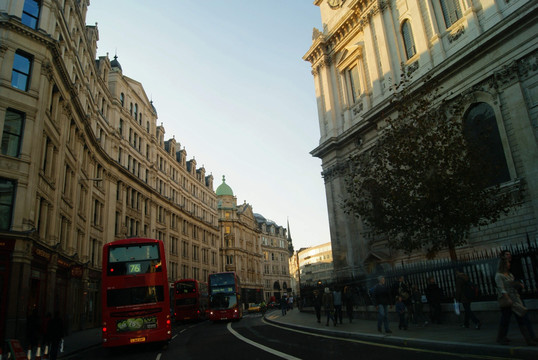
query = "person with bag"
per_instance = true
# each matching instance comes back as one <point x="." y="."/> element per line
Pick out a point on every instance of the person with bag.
<point x="462" y="282"/>
<point x="510" y="302"/>
<point x="403" y="289"/>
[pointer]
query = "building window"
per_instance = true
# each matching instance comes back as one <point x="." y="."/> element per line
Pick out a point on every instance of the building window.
<point x="229" y="259"/>
<point x="7" y="199"/>
<point x="20" y="76"/>
<point x="122" y="99"/>
<point x="408" y="40"/>
<point x="482" y="135"/>
<point x="30" y="13"/>
<point x="451" y="11"/>
<point x="12" y="133"/>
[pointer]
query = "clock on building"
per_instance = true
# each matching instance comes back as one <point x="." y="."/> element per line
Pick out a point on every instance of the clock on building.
<point x="335" y="4"/>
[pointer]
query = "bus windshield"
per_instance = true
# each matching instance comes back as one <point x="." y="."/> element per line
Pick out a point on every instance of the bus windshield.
<point x="185" y="287"/>
<point x="135" y="296"/>
<point x="133" y="259"/>
<point x="222" y="301"/>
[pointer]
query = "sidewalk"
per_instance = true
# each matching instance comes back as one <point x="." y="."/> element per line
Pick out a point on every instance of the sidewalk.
<point x="443" y="337"/>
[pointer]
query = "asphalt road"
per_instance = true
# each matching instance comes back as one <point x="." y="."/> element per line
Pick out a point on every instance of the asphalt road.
<point x="252" y="338"/>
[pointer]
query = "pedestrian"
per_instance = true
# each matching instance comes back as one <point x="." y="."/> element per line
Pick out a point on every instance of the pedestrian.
<point x="328" y="306"/>
<point x="290" y="302"/>
<point x="433" y="296"/>
<point x="381" y="299"/>
<point x="284" y="304"/>
<point x="33" y="329"/>
<point x="337" y="296"/>
<point x="348" y="300"/>
<point x="416" y="298"/>
<point x="462" y="296"/>
<point x="403" y="289"/>
<point x="510" y="302"/>
<point x="55" y="334"/>
<point x="317" y="304"/>
<point x="401" y="310"/>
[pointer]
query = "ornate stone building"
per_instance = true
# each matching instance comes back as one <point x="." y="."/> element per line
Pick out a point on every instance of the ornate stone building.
<point x="276" y="254"/>
<point x="240" y="248"/>
<point x="82" y="163"/>
<point x="482" y="53"/>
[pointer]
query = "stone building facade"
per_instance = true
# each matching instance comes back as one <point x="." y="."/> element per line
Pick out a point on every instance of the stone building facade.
<point x="82" y="163"/>
<point x="482" y="53"/>
<point x="276" y="254"/>
<point x="240" y="247"/>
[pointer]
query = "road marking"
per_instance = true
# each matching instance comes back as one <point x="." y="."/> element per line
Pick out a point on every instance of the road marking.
<point x="260" y="346"/>
<point x="158" y="356"/>
<point x="371" y="343"/>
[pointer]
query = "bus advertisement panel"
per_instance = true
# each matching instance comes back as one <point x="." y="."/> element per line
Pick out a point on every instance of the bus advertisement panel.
<point x="190" y="300"/>
<point x="224" y="297"/>
<point x="135" y="296"/>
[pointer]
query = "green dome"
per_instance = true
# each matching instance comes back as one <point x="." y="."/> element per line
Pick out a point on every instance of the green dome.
<point x="224" y="189"/>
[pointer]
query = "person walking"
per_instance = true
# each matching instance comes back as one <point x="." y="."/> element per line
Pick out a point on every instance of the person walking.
<point x="328" y="306"/>
<point x="433" y="296"/>
<point x="317" y="304"/>
<point x="337" y="296"/>
<point x="348" y="300"/>
<point x="284" y="304"/>
<point x="400" y="310"/>
<point x="290" y="302"/>
<point x="55" y="334"/>
<point x="510" y="302"/>
<point x="462" y="283"/>
<point x="381" y="299"/>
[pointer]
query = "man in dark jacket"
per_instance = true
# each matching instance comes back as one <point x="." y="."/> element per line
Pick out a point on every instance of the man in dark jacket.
<point x="433" y="296"/>
<point x="381" y="297"/>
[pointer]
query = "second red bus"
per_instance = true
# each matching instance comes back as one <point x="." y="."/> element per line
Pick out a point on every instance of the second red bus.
<point x="190" y="300"/>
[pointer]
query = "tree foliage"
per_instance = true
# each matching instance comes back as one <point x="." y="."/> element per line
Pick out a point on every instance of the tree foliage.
<point x="424" y="184"/>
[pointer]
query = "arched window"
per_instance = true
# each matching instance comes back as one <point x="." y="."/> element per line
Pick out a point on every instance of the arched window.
<point x="408" y="40"/>
<point x="482" y="135"/>
<point x="451" y="11"/>
<point x="276" y="285"/>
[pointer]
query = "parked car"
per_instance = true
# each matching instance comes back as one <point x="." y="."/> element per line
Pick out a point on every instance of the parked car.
<point x="252" y="308"/>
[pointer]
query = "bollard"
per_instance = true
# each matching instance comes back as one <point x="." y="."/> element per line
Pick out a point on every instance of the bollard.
<point x="29" y="356"/>
<point x="38" y="352"/>
<point x="45" y="353"/>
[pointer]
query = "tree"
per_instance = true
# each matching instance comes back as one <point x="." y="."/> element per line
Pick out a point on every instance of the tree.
<point x="424" y="183"/>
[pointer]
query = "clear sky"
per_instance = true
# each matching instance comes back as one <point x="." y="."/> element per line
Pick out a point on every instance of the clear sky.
<point x="228" y="82"/>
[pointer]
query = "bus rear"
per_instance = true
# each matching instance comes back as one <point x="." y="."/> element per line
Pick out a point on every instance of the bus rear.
<point x="135" y="296"/>
<point x="224" y="297"/>
<point x="190" y="300"/>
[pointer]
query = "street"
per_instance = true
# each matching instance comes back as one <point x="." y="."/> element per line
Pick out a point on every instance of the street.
<point x="254" y="338"/>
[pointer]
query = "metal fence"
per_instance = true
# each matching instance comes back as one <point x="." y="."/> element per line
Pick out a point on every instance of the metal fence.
<point x="480" y="267"/>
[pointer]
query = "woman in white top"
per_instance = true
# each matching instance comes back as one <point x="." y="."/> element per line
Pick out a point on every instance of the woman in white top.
<point x="511" y="302"/>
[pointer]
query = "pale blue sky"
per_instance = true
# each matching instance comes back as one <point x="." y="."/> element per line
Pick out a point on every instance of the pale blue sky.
<point x="228" y="81"/>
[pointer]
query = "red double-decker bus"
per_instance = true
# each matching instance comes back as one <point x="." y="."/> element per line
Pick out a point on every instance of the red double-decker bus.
<point x="190" y="300"/>
<point x="224" y="297"/>
<point x="135" y="293"/>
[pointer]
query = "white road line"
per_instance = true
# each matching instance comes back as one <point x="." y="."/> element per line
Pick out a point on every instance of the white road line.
<point x="399" y="347"/>
<point x="260" y="346"/>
